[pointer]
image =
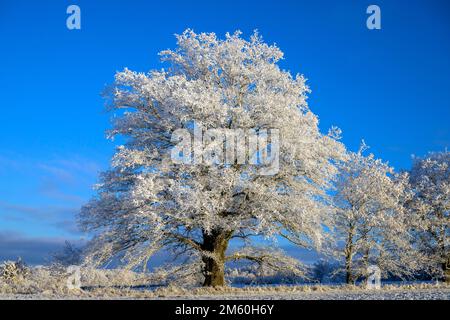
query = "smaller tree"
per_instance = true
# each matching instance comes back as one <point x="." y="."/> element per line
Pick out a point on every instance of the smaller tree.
<point x="371" y="221"/>
<point x="325" y="271"/>
<point x="430" y="180"/>
<point x="69" y="255"/>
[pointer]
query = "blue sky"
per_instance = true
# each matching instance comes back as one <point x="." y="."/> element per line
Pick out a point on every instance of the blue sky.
<point x="388" y="86"/>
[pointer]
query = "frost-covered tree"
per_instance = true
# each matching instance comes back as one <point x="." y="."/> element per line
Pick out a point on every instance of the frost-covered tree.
<point x="147" y="202"/>
<point x="372" y="224"/>
<point x="430" y="180"/>
<point x="69" y="255"/>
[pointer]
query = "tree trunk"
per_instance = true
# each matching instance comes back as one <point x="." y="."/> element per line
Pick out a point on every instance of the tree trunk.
<point x="348" y="269"/>
<point x="348" y="256"/>
<point x="446" y="270"/>
<point x="443" y="251"/>
<point x="366" y="264"/>
<point x="214" y="246"/>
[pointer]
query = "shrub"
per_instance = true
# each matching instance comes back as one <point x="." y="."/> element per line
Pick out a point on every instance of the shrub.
<point x="14" y="271"/>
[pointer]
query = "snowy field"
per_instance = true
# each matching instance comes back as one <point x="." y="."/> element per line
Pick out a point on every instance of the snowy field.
<point x="334" y="294"/>
<point x="56" y="283"/>
<point x="349" y="295"/>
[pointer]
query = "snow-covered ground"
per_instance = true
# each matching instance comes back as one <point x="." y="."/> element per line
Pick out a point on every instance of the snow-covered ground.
<point x="348" y="295"/>
<point x="392" y="294"/>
